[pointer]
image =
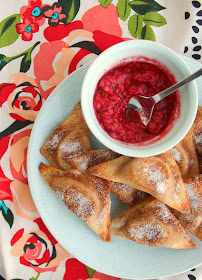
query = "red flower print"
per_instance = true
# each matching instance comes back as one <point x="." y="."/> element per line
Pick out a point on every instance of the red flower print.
<point x="5" y="192"/>
<point x="102" y="41"/>
<point x="27" y="28"/>
<point x="36" y="250"/>
<point x="33" y="12"/>
<point x="13" y="169"/>
<point x="24" y="100"/>
<point x="61" y="31"/>
<point x="75" y="270"/>
<point x="21" y="100"/>
<point x="54" y="14"/>
<point x="94" y="19"/>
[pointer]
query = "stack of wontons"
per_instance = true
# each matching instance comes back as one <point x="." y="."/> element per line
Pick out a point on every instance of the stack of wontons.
<point x="163" y="192"/>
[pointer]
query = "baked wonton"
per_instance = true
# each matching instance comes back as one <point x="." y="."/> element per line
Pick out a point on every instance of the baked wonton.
<point x="151" y="223"/>
<point x="158" y="175"/>
<point x="71" y="136"/>
<point x="86" y="196"/>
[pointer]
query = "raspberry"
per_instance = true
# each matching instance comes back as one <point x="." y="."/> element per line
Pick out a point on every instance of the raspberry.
<point x="124" y="93"/>
<point x="98" y="117"/>
<point x="133" y="89"/>
<point x="114" y="91"/>
<point x="102" y="102"/>
<point x="119" y="89"/>
<point x="108" y="89"/>
<point x="138" y="137"/>
<point x="107" y="120"/>
<point x="122" y="132"/>
<point x="98" y="97"/>
<point x="113" y="97"/>
<point x="97" y="105"/>
<point x="157" y="116"/>
<point x="114" y="135"/>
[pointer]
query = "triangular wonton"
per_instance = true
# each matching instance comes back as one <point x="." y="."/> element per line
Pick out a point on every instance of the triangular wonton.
<point x="86" y="196"/>
<point x="157" y="175"/>
<point x="151" y="223"/>
<point x="71" y="136"/>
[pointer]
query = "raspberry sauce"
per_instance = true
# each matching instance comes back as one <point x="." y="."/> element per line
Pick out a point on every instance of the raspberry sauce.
<point x="118" y="85"/>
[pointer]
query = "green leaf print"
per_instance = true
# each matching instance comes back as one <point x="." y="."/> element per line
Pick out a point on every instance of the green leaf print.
<point x="4" y="60"/>
<point x="90" y="271"/>
<point x="154" y="19"/>
<point x="142" y="7"/>
<point x="147" y="33"/>
<point x="35" y="278"/>
<point x="26" y="61"/>
<point x="70" y="8"/>
<point x="135" y="25"/>
<point x="123" y="9"/>
<point x="7" y="214"/>
<point x="105" y="3"/>
<point x="8" y="33"/>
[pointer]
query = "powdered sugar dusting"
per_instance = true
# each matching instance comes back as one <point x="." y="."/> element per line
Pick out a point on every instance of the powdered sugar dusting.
<point x="187" y="240"/>
<point x="148" y="231"/>
<point x="178" y="187"/>
<point x="77" y="202"/>
<point x="54" y="141"/>
<point x="198" y="138"/>
<point x="119" y="223"/>
<point x="103" y="197"/>
<point x="59" y="193"/>
<point x="158" y="178"/>
<point x="163" y="213"/>
<point x="73" y="155"/>
<point x="70" y="147"/>
<point x="82" y="163"/>
<point x="195" y="198"/>
<point x="122" y="187"/>
<point x="103" y="213"/>
<point x="83" y="206"/>
<point x="175" y="195"/>
<point x="105" y="155"/>
<point x="99" y="186"/>
<point x="176" y="154"/>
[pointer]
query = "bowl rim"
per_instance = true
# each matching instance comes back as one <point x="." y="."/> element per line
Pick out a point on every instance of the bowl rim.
<point x="127" y="149"/>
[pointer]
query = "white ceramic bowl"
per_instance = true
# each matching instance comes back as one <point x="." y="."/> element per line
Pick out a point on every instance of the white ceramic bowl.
<point x="126" y="51"/>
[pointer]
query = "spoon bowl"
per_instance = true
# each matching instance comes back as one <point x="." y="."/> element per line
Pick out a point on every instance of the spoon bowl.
<point x="144" y="105"/>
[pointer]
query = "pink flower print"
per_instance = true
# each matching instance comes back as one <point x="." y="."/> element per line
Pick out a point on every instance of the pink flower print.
<point x="54" y="14"/>
<point x="27" y="29"/>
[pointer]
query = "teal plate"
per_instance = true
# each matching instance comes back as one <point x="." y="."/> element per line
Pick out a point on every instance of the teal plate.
<point x="120" y="258"/>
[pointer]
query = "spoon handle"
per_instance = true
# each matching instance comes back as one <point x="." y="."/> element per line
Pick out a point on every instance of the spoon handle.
<point x="166" y="92"/>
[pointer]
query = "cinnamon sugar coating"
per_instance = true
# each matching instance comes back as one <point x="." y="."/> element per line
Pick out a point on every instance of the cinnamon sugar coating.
<point x="193" y="223"/>
<point x="71" y="136"/>
<point x="86" y="196"/>
<point x="158" y="175"/>
<point x="198" y="136"/>
<point x="185" y="155"/>
<point x="85" y="160"/>
<point x="151" y="223"/>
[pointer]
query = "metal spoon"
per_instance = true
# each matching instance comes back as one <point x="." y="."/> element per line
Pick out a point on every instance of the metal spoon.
<point x="145" y="105"/>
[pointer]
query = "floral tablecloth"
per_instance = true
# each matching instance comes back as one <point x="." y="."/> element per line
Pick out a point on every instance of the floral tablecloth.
<point x="41" y="42"/>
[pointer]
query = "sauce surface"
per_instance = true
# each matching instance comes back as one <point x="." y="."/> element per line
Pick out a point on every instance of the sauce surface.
<point x="126" y="80"/>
